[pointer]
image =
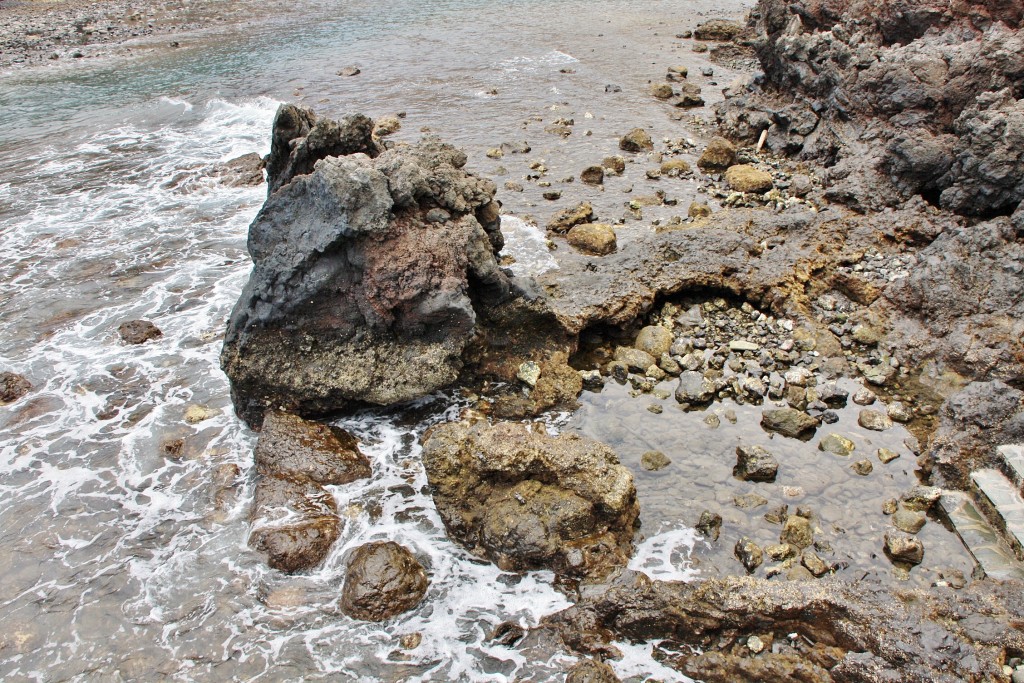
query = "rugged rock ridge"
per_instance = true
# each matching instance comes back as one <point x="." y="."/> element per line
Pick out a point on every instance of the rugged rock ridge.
<point x="903" y="98"/>
<point x="850" y="632"/>
<point x="370" y="272"/>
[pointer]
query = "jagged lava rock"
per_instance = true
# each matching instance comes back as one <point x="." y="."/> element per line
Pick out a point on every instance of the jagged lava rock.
<point x="13" y="386"/>
<point x="526" y="500"/>
<point x="366" y="272"/>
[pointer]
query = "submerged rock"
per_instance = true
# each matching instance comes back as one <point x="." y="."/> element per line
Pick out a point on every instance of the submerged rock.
<point x="382" y="579"/>
<point x="526" y="500"/>
<point x="789" y="422"/>
<point x="13" y="386"/>
<point x="754" y="463"/>
<point x="591" y="671"/>
<point x="138" y="331"/>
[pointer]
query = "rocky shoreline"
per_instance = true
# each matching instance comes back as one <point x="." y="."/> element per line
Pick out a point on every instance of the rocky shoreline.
<point x="38" y="33"/>
<point x="848" y="266"/>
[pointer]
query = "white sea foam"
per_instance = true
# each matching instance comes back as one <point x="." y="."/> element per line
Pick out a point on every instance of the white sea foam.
<point x="665" y="555"/>
<point x="527" y="245"/>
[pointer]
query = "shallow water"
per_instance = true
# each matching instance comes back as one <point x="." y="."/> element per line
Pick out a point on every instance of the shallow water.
<point x="125" y="559"/>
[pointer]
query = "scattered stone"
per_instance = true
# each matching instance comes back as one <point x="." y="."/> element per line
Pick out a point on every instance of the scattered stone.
<point x="903" y="548"/>
<point x="754" y="463"/>
<point x="879" y="375"/>
<point x="566" y="219"/>
<point x="592" y="175"/>
<point x="382" y="579"/>
<point x="710" y="524"/>
<point x="662" y="91"/>
<point x="699" y="210"/>
<point x="653" y="173"/>
<point x="592" y="380"/>
<point x="195" y="414"/>
<point x="741" y="345"/>
<point x="532" y="501"/>
<point x="350" y="71"/>
<point x="814" y="564"/>
<point x="674" y="168"/>
<point x="513" y="186"/>
<point x="797" y="532"/>
<point x="694" y="389"/>
<point x="290" y="446"/>
<point x="832" y="395"/>
<point x="595" y="239"/>
<point x="615" y="165"/>
<point x="242" y="171"/>
<point x="836" y="444"/>
<point x="13" y="386"/>
<point x="707" y="72"/>
<point x="864" y="397"/>
<point x="721" y="30"/>
<point x="410" y="641"/>
<point x="862" y="467"/>
<point x="680" y="71"/>
<point x="712" y="421"/>
<point x="529" y="373"/>
<point x="746" y="178"/>
<point x="138" y="331"/>
<point x="755" y="645"/>
<point x="749" y="553"/>
<point x="652" y="461"/>
<point x="780" y="551"/>
<point x="789" y="422"/>
<point x="749" y="500"/>
<point x="389" y="125"/>
<point x="899" y="412"/>
<point x="887" y="456"/>
<point x="921" y="498"/>
<point x="778" y="515"/>
<point x="890" y="506"/>
<point x="636" y="140"/>
<point x="655" y="340"/>
<point x="908" y="521"/>
<point x="552" y="195"/>
<point x="591" y="671"/>
<point x="613" y="88"/>
<point x="718" y="155"/>
<point x="637" y="360"/>
<point x="495" y="153"/>
<point x="873" y="420"/>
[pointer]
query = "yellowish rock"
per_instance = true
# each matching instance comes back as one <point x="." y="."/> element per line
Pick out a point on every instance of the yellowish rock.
<point x="746" y="178"/>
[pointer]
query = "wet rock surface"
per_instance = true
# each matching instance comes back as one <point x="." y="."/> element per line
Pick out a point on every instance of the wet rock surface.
<point x="843" y="631"/>
<point x="532" y="501"/>
<point x="13" y="386"/>
<point x="292" y="446"/>
<point x="382" y="579"/>
<point x="294" y="522"/>
<point x="138" y="331"/>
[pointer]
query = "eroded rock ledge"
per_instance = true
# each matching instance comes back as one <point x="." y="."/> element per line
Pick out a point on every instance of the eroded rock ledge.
<point x="752" y="629"/>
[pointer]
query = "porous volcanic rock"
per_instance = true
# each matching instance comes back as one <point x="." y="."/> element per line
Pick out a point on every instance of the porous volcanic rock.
<point x="138" y="331"/>
<point x="371" y="277"/>
<point x="526" y="500"/>
<point x="382" y="579"/>
<point x="899" y="98"/>
<point x="860" y="632"/>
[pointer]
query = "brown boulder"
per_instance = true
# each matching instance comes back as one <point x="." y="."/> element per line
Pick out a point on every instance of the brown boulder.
<point x="596" y="239"/>
<point x="565" y="219"/>
<point x="717" y="29"/>
<point x="746" y="178"/>
<point x="382" y="579"/>
<point x="718" y="155"/>
<point x="289" y="445"/>
<point x="636" y="140"/>
<point x="13" y="386"/>
<point x="294" y="522"/>
<point x="526" y="500"/>
<point x="138" y="331"/>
